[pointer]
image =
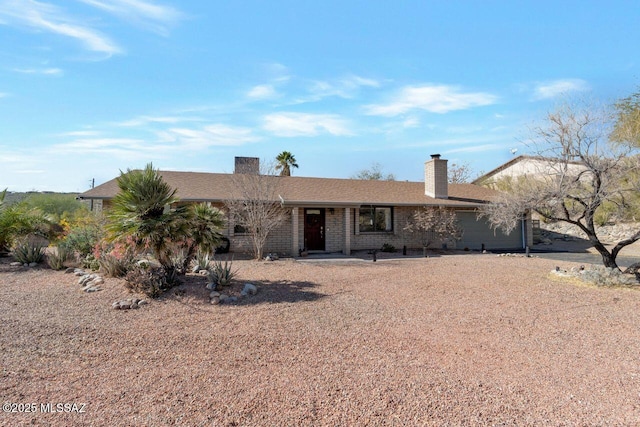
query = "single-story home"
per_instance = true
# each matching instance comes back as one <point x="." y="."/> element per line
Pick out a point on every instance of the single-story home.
<point x="342" y="215"/>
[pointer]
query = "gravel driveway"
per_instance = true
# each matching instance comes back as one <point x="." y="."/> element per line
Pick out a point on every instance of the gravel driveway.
<point x="450" y="340"/>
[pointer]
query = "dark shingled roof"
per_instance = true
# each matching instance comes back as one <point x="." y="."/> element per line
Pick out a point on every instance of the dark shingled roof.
<point x="216" y="187"/>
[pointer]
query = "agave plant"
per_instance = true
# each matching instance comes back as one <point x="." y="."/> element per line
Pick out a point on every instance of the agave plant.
<point x="222" y="273"/>
<point x="28" y="252"/>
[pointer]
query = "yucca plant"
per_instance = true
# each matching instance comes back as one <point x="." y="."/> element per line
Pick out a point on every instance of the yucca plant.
<point x="202" y="260"/>
<point x="28" y="252"/>
<point x="222" y="273"/>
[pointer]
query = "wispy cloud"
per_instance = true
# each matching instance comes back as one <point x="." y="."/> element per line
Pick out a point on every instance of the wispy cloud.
<point x="146" y="120"/>
<point x="207" y="136"/>
<point x="80" y="133"/>
<point x="432" y="98"/>
<point x="303" y="124"/>
<point x="44" y="71"/>
<point x="344" y="87"/>
<point x="556" y="88"/>
<point x="261" y="92"/>
<point x="123" y="148"/>
<point x="46" y="17"/>
<point x="155" y="17"/>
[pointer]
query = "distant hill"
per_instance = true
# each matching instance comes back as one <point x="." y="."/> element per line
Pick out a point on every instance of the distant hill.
<point x="15" y="196"/>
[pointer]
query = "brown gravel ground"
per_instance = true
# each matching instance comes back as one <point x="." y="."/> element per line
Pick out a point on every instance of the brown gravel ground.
<point x="464" y="339"/>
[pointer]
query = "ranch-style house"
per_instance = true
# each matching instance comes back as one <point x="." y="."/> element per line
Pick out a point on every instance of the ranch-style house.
<point x="343" y="215"/>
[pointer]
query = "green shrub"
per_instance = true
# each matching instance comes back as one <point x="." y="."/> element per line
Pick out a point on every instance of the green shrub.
<point x="151" y="281"/>
<point x="91" y="262"/>
<point x="58" y="258"/>
<point x="222" y="274"/>
<point x="387" y="247"/>
<point x="83" y="239"/>
<point x="28" y="251"/>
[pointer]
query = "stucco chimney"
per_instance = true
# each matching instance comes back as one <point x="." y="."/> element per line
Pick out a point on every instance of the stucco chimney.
<point x="247" y="165"/>
<point x="435" y="177"/>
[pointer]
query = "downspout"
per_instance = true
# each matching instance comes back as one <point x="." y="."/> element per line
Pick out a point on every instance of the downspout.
<point x="524" y="232"/>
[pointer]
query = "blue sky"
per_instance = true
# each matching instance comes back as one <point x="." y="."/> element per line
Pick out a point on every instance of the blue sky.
<point x="92" y="87"/>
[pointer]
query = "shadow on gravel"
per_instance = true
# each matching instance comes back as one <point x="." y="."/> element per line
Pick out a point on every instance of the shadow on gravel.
<point x="193" y="288"/>
<point x="270" y="292"/>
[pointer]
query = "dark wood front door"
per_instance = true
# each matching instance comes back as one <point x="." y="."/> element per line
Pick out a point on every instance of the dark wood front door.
<point x="314" y="229"/>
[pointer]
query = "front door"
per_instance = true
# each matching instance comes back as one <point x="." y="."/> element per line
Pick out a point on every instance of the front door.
<point x="314" y="229"/>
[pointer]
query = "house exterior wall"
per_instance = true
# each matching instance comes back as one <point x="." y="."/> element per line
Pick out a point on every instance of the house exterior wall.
<point x="478" y="232"/>
<point x="337" y="225"/>
<point x="532" y="168"/>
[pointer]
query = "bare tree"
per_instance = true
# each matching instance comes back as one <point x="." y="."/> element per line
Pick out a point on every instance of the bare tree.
<point x="434" y="224"/>
<point x="255" y="205"/>
<point x="584" y="172"/>
<point x="459" y="173"/>
<point x="374" y="173"/>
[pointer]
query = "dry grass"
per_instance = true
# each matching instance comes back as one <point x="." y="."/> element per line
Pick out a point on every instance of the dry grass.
<point x="451" y="340"/>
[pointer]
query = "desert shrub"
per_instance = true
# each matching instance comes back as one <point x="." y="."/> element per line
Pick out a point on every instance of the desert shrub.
<point x="112" y="266"/>
<point x="149" y="280"/>
<point x="605" y="276"/>
<point x="59" y="256"/>
<point x="55" y="205"/>
<point x="17" y="222"/>
<point x="114" y="259"/>
<point x="222" y="273"/>
<point x="387" y="247"/>
<point x="90" y="262"/>
<point x="28" y="251"/>
<point x="178" y="258"/>
<point x="83" y="238"/>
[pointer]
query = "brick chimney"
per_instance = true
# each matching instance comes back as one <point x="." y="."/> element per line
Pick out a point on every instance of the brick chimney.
<point x="247" y="165"/>
<point x="435" y="177"/>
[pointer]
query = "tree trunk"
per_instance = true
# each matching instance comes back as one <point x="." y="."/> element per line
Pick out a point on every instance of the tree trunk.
<point x="608" y="259"/>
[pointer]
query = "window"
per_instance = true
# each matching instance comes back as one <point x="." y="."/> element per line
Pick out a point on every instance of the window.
<point x="239" y="229"/>
<point x="375" y="218"/>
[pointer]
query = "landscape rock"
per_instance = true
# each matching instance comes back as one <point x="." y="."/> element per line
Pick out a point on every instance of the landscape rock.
<point x="16" y="264"/>
<point x="249" y="289"/>
<point x="129" y="304"/>
<point x="70" y="270"/>
<point x="215" y="301"/>
<point x="211" y="286"/>
<point x="33" y="264"/>
<point x="203" y="272"/>
<point x="214" y="294"/>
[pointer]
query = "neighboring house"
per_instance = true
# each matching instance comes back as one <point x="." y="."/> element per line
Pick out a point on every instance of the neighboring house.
<point x="527" y="167"/>
<point x="342" y="215"/>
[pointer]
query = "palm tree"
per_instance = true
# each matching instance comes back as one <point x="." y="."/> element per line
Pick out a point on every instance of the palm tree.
<point x="138" y="212"/>
<point x="285" y="161"/>
<point x="204" y="229"/>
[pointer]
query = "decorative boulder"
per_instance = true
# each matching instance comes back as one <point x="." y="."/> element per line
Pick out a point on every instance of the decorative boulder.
<point x="249" y="289"/>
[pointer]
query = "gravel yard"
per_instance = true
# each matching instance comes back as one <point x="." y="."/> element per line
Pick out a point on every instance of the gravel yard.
<point x="452" y="340"/>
